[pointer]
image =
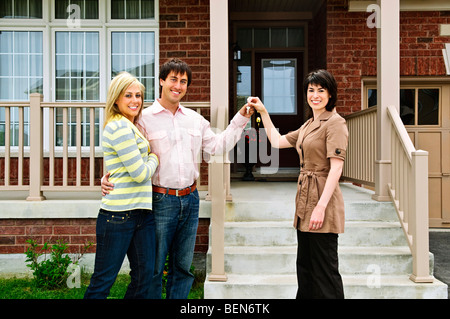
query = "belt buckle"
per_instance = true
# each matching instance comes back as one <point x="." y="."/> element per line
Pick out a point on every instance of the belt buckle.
<point x="176" y="193"/>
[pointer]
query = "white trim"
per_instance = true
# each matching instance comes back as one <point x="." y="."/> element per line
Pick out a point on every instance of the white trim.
<point x="405" y="5"/>
<point x="446" y="54"/>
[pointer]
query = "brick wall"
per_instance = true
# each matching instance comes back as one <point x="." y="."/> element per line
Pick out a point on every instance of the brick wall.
<point x="14" y="233"/>
<point x="184" y="34"/>
<point x="352" y="49"/>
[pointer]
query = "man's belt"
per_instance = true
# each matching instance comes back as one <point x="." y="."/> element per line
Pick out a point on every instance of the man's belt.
<point x="173" y="191"/>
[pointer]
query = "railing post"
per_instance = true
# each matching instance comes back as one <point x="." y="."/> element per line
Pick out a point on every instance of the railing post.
<point x="388" y="90"/>
<point x="36" y="148"/>
<point x="219" y="48"/>
<point x="218" y="194"/>
<point x="418" y="220"/>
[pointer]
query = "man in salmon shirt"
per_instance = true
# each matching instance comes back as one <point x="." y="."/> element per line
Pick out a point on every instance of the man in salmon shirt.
<point x="178" y="135"/>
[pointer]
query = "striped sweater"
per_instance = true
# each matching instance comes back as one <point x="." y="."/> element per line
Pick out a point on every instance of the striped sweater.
<point x="130" y="164"/>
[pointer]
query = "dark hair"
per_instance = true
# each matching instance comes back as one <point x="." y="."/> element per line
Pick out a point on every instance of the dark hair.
<point x="176" y="65"/>
<point x="327" y="81"/>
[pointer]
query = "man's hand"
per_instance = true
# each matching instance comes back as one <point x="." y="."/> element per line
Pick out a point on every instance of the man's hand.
<point x="243" y="111"/>
<point x="106" y="185"/>
<point x="254" y="101"/>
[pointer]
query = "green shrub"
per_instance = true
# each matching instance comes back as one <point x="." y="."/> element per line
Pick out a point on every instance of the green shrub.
<point x="52" y="272"/>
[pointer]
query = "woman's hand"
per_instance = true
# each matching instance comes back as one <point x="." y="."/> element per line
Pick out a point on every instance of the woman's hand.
<point x="317" y="217"/>
<point x="255" y="102"/>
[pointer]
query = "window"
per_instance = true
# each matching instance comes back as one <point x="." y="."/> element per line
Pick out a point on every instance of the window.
<point x="134" y="52"/>
<point x="20" y="74"/>
<point x="132" y="9"/>
<point x="21" y="9"/>
<point x="418" y="106"/>
<point x="88" y="9"/>
<point x="73" y="63"/>
<point x="285" y="37"/>
<point x="77" y="66"/>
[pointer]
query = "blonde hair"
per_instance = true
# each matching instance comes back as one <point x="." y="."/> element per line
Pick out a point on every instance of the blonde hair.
<point x="117" y="87"/>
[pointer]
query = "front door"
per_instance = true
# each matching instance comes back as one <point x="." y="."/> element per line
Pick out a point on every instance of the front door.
<point x="278" y="82"/>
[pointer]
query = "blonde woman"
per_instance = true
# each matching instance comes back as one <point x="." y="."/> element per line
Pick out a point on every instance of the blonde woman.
<point x="125" y="223"/>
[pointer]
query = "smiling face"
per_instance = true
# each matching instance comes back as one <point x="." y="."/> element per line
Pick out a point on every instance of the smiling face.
<point x="173" y="88"/>
<point x="130" y="102"/>
<point x="317" y="98"/>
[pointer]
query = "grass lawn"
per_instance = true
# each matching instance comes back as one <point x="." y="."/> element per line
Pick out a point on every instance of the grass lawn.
<point x="24" y="288"/>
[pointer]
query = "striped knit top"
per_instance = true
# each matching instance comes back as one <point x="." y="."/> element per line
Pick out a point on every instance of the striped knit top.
<point x="130" y="164"/>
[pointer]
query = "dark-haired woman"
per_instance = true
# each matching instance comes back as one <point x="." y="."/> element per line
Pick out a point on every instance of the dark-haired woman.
<point x="321" y="143"/>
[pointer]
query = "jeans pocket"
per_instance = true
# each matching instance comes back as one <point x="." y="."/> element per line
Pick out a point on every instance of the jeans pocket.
<point x="115" y="217"/>
<point x="158" y="197"/>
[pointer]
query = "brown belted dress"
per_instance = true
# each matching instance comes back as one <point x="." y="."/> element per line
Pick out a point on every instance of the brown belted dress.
<point x="316" y="141"/>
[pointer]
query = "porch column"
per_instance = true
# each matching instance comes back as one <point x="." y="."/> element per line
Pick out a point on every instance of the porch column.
<point x="219" y="114"/>
<point x="388" y="90"/>
<point x="36" y="143"/>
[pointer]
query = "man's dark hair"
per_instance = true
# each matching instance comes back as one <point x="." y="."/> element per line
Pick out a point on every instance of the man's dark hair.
<point x="327" y="81"/>
<point x="176" y="65"/>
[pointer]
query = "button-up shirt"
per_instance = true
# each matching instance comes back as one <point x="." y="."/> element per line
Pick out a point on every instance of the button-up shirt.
<point x="179" y="139"/>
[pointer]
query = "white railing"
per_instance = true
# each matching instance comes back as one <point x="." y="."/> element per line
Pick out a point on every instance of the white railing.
<point x="358" y="165"/>
<point x="64" y="169"/>
<point x="409" y="192"/>
<point x="408" y="188"/>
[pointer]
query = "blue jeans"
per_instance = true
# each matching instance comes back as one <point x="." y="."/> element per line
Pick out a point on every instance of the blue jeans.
<point x="176" y="230"/>
<point x="130" y="233"/>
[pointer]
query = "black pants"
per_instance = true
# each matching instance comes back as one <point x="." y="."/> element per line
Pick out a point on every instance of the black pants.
<point x="317" y="266"/>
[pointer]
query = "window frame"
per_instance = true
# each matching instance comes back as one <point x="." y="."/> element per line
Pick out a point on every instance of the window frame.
<point x="49" y="25"/>
<point x="416" y="84"/>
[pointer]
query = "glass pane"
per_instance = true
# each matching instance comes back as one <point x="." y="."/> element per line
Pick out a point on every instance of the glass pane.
<point x="6" y="89"/>
<point x="118" y="40"/>
<point x="279" y="85"/>
<point x="245" y="38"/>
<point x="92" y="42"/>
<point x="6" y="9"/>
<point x="62" y="42"/>
<point x="6" y="65"/>
<point x="35" y="9"/>
<point x="91" y="9"/>
<point x="428" y="107"/>
<point x="36" y="42"/>
<point x="62" y="65"/>
<point x="148" y="65"/>
<point x="278" y="38"/>
<point x="132" y="42"/>
<point x="63" y="89"/>
<point x="76" y="89"/>
<point x="372" y="97"/>
<point x="118" y="64"/>
<point x="407" y="106"/>
<point x="36" y="85"/>
<point x="61" y="9"/>
<point x="261" y="38"/>
<point x="76" y="42"/>
<point x="148" y="42"/>
<point x="92" y="67"/>
<point x="147" y="9"/>
<point x="20" y="89"/>
<point x="21" y="9"/>
<point x="132" y="9"/>
<point x="296" y="37"/>
<point x="21" y="42"/>
<point x="76" y="66"/>
<point x="117" y="9"/>
<point x="133" y="65"/>
<point x="21" y="65"/>
<point x="6" y="42"/>
<point x="92" y="89"/>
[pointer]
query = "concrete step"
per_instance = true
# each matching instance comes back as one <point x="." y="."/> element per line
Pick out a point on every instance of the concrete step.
<point x="276" y="202"/>
<point x="282" y="233"/>
<point x="355" y="287"/>
<point x="282" y="260"/>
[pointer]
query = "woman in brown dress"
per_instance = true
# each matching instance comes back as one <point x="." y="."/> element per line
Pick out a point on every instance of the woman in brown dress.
<point x="321" y="143"/>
